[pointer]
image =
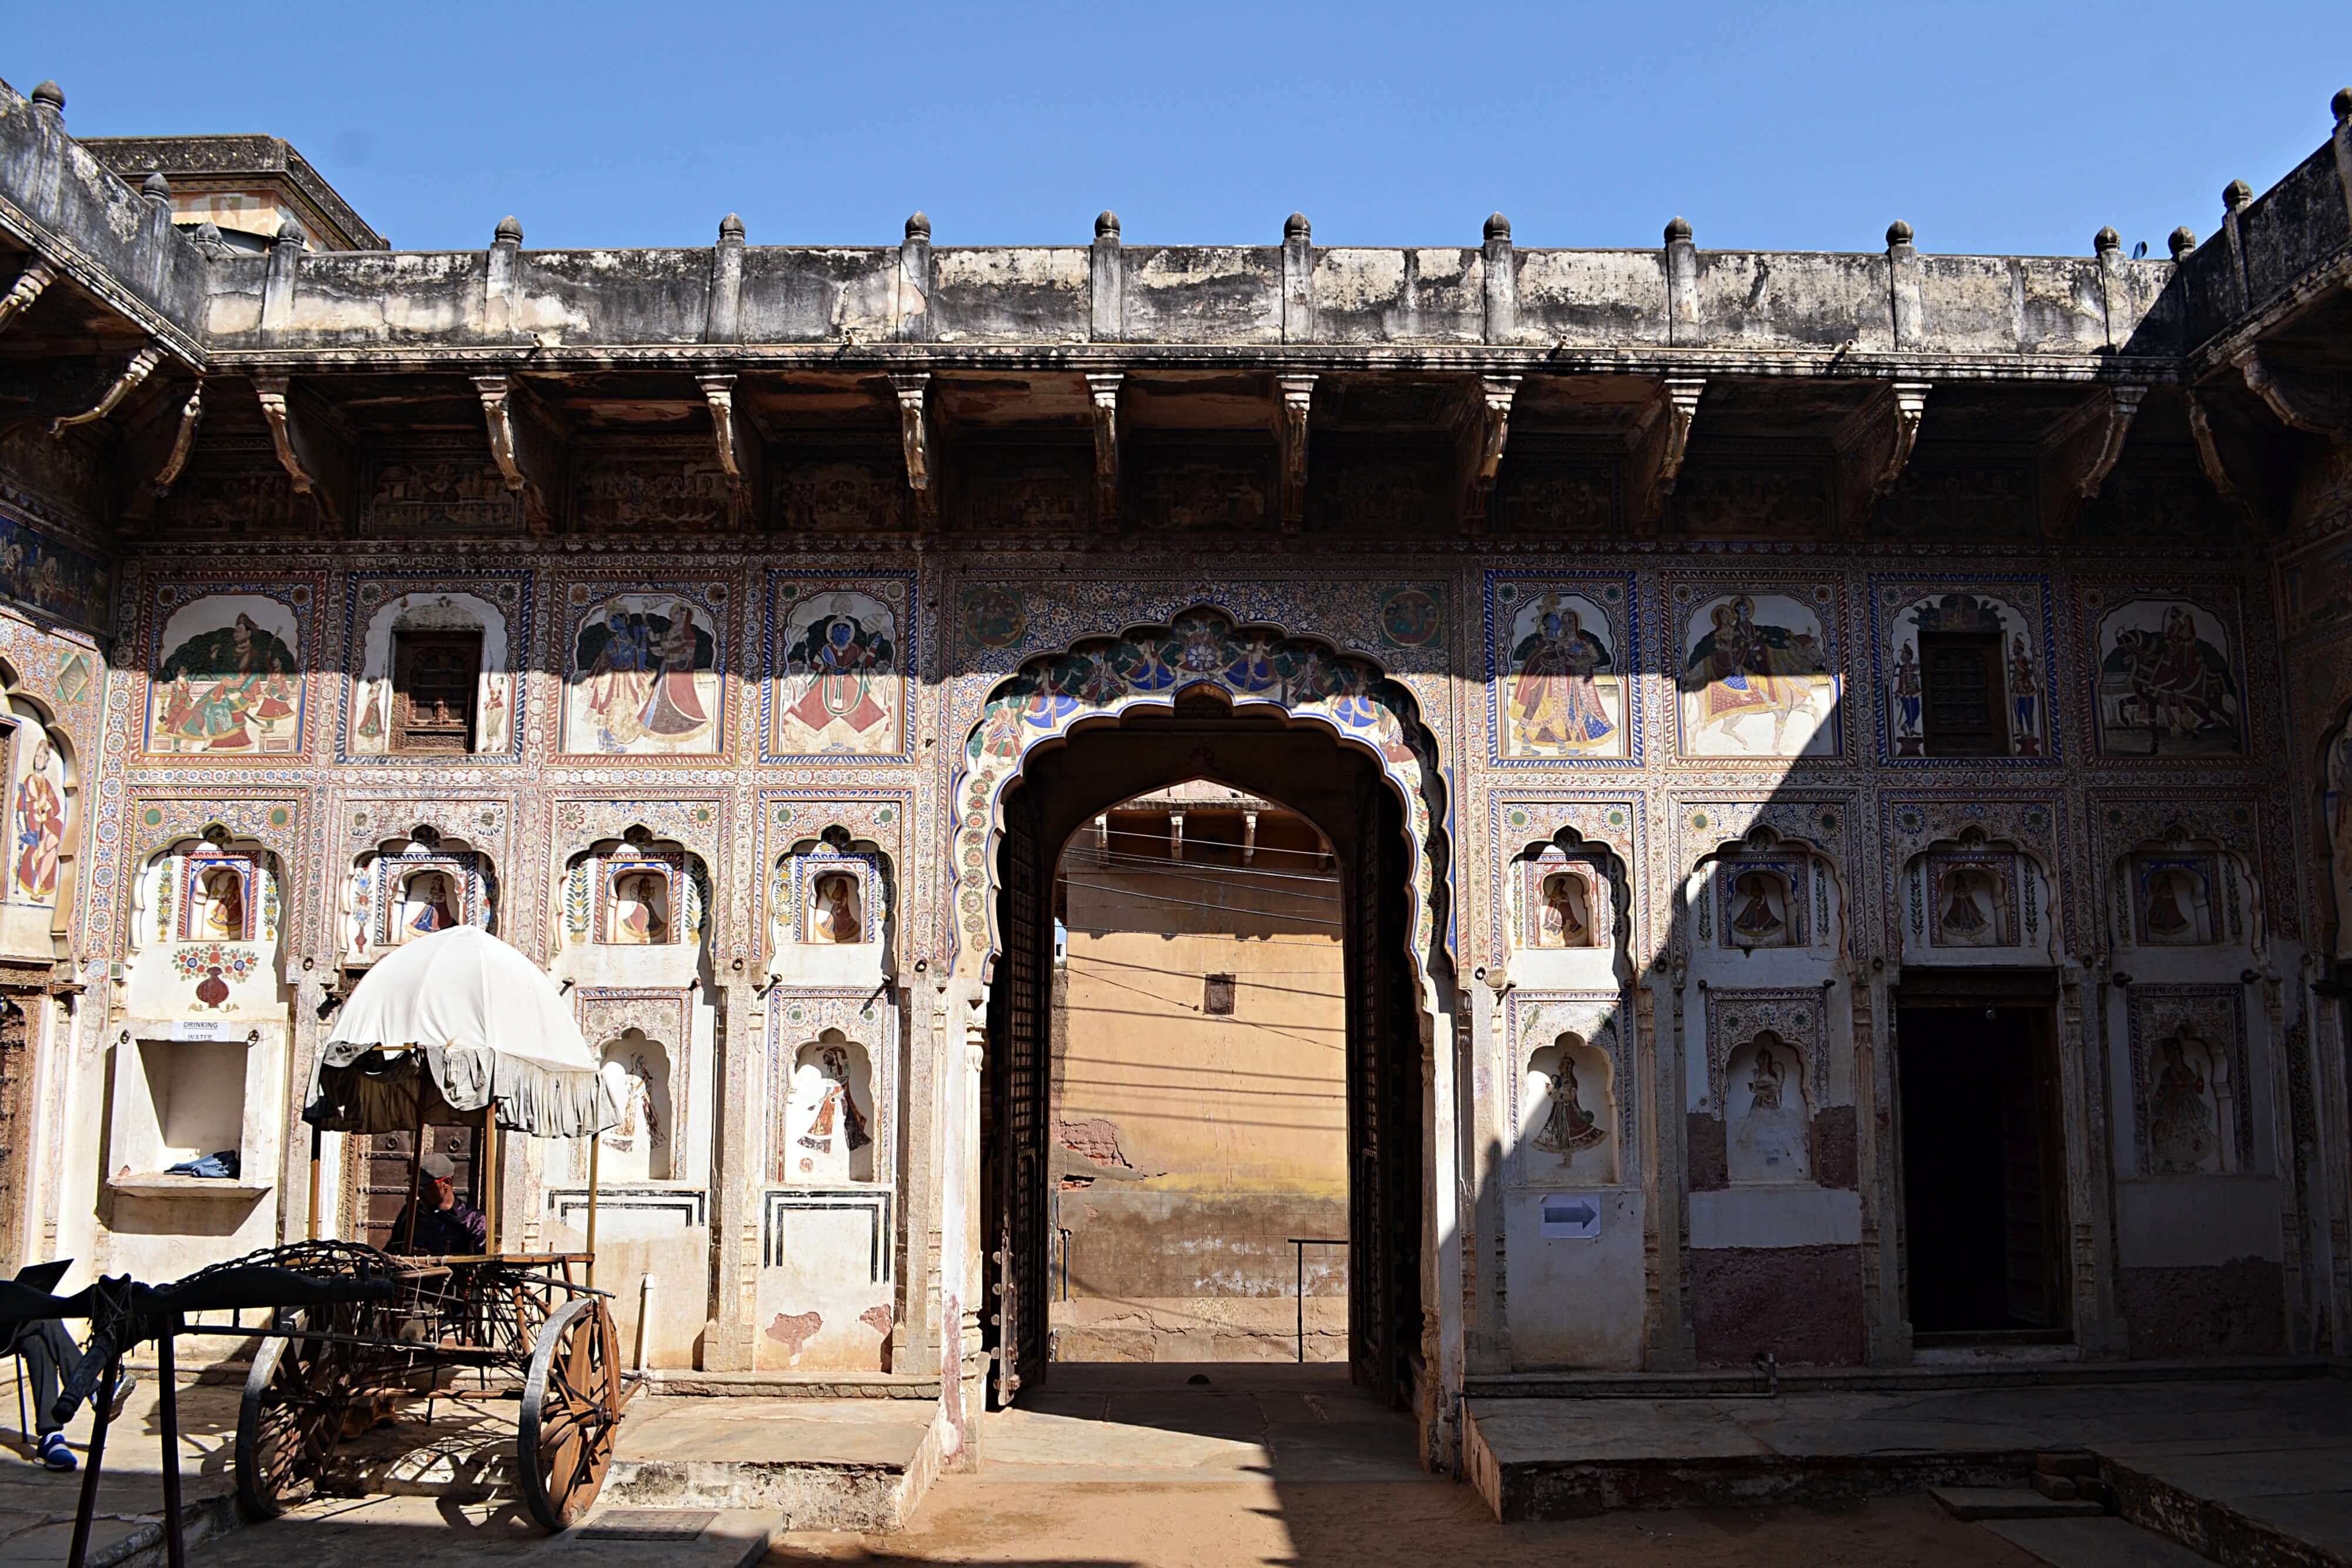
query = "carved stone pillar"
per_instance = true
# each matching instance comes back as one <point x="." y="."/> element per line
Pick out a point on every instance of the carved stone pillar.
<point x="1665" y="1168"/>
<point x="739" y="1025"/>
<point x="2090" y="1241"/>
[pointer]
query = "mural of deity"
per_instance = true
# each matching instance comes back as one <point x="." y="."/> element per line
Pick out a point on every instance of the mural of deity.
<point x="1969" y="905"/>
<point x="1563" y="697"/>
<point x="1908" y="692"/>
<point x="2166" y="685"/>
<point x="39" y="819"/>
<point x="2173" y="902"/>
<point x="1769" y="1136"/>
<point x="840" y="689"/>
<point x="1757" y="688"/>
<point x="640" y="909"/>
<point x="835" y="917"/>
<point x="2183" y="1130"/>
<point x="1759" y="910"/>
<point x="228" y="683"/>
<point x="427" y="906"/>
<point x="644" y="679"/>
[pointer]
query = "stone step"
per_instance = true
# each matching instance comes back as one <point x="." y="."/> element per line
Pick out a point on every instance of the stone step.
<point x="2009" y="1502"/>
<point x="1730" y="1381"/>
<point x="2094" y="1544"/>
<point x="344" y="1533"/>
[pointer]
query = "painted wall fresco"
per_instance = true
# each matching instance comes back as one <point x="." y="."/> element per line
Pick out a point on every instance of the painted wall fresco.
<point x="497" y="607"/>
<point x="1758" y="676"/>
<point x="52" y="577"/>
<point x="643" y="675"/>
<point x="228" y="681"/>
<point x="1564" y="669"/>
<point x="2169" y="681"/>
<point x="837" y="670"/>
<point x="2010" y="611"/>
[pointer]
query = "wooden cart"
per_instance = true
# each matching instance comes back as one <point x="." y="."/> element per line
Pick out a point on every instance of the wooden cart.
<point x="527" y="1315"/>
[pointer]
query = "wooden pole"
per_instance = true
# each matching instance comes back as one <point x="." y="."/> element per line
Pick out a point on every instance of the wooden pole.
<point x="595" y="1143"/>
<point x="416" y="1157"/>
<point x="316" y="1137"/>
<point x="167" y="1375"/>
<point x="490" y="1163"/>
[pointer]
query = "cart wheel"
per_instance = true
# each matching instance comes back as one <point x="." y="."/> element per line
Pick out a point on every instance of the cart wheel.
<point x="571" y="1413"/>
<point x="290" y="1420"/>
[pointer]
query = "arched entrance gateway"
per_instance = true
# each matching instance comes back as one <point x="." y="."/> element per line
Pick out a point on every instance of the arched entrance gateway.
<point x="1288" y="719"/>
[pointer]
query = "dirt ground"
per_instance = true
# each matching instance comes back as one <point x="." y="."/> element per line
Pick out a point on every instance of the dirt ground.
<point x="975" y="1519"/>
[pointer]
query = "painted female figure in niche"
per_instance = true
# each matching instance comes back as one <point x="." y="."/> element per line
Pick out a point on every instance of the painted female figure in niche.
<point x="40" y="825"/>
<point x="220" y="909"/>
<point x="640" y="909"/>
<point x="1966" y="896"/>
<point x="835" y="1107"/>
<point x="1907" y="690"/>
<point x="836" y="916"/>
<point x="1568" y="1127"/>
<point x="2167" y="917"/>
<point x="1759" y="918"/>
<point x="1555" y="698"/>
<point x="427" y="905"/>
<point x="1565" y="921"/>
<point x="2181" y="1133"/>
<point x="2024" y="693"/>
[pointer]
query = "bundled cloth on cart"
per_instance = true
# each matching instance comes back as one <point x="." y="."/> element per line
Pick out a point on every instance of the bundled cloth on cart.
<point x="450" y="1023"/>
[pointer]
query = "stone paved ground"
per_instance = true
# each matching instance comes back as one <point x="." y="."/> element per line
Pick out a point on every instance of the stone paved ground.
<point x="1283" y="1466"/>
<point x="36" y="1507"/>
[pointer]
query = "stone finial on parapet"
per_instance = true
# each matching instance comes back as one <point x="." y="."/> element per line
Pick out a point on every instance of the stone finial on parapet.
<point x="1296" y="230"/>
<point x="1682" y="282"/>
<point x="48" y="94"/>
<point x="2342" y="105"/>
<point x="208" y="239"/>
<point x="730" y="230"/>
<point x="1106" y="282"/>
<point x="2183" y="241"/>
<point x="289" y="232"/>
<point x="508" y="232"/>
<point x="1910" y="312"/>
<point x="2105" y="240"/>
<point x="156" y="188"/>
<point x="913" y="313"/>
<point x="722" y="318"/>
<point x="919" y="228"/>
<point x="1501" y="287"/>
<point x="1298" y="280"/>
<point x="2236" y="195"/>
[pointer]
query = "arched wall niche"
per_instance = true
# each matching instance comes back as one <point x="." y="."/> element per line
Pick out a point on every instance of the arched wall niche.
<point x="1200" y="653"/>
<point x="1974" y="898"/>
<point x="1763" y="892"/>
<point x="1569" y="918"/>
<point x="832" y="911"/>
<point x="827" y="1118"/>
<point x="44" y="790"/>
<point x="2179" y="891"/>
<point x="637" y="900"/>
<point x="413" y="885"/>
<point x="1767" y="1111"/>
<point x="207" y="930"/>
<point x="1570" y="1108"/>
<point x="644" y="1145"/>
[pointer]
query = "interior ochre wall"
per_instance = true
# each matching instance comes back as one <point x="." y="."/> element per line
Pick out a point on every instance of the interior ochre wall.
<point x="1192" y="1148"/>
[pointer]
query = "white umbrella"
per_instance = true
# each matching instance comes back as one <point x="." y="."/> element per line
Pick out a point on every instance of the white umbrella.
<point x="456" y="1024"/>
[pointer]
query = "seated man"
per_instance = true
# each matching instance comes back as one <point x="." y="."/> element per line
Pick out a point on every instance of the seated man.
<point x="439" y="1224"/>
<point x="48" y="1353"/>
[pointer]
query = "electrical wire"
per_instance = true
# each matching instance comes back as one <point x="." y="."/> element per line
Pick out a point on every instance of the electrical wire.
<point x="1162" y="838"/>
<point x="1198" y="868"/>
<point x="1281" y="915"/>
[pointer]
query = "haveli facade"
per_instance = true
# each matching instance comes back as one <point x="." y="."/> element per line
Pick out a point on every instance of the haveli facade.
<point x="1839" y="760"/>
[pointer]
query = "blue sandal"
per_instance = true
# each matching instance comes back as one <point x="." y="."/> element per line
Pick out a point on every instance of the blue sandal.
<point x="53" y="1452"/>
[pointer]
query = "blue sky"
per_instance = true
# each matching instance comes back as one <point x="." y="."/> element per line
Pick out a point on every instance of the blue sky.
<point x="1988" y="128"/>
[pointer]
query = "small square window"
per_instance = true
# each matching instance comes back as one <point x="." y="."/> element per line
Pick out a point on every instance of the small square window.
<point x="1217" y="996"/>
<point x="1961" y="675"/>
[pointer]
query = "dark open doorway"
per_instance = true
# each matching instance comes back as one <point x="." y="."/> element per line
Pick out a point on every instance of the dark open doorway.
<point x="1342" y="791"/>
<point x="1983" y="1173"/>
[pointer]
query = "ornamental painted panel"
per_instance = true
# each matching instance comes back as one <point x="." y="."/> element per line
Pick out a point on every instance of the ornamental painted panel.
<point x="839" y="667"/>
<point x="1561" y="665"/>
<point x="1570" y="1111"/>
<point x="2168" y="678"/>
<point x="37" y="816"/>
<point x="1995" y="629"/>
<point x="496" y="605"/>
<point x="1758" y="673"/>
<point x="644" y="671"/>
<point x="227" y="682"/>
<point x="2190" y="1080"/>
<point x="50" y="577"/>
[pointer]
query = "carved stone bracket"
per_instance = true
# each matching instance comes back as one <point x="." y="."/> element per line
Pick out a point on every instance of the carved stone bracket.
<point x="1660" y="441"/>
<point x="913" y="388"/>
<point x="142" y="365"/>
<point x="1875" y="446"/>
<point x="27" y="288"/>
<point x="1103" y="389"/>
<point x="2299" y="404"/>
<point x="313" y="456"/>
<point x="2079" y="455"/>
<point x="528" y="456"/>
<point x="162" y="473"/>
<point x="1295" y="398"/>
<point x="742" y="455"/>
<point x="1485" y="426"/>
<point x="2209" y="453"/>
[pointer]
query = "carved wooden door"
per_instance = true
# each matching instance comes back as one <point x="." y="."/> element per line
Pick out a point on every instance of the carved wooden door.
<point x="15" y="1093"/>
<point x="1020" y="1073"/>
<point x="381" y="1178"/>
<point x="1384" y="1095"/>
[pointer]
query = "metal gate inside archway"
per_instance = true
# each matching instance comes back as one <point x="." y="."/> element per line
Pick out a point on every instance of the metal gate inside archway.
<point x="1342" y="790"/>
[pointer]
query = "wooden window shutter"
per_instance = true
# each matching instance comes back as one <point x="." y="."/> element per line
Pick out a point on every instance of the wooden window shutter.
<point x="435" y="675"/>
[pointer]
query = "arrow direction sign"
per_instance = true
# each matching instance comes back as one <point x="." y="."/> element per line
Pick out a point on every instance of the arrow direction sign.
<point x="1576" y="1219"/>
